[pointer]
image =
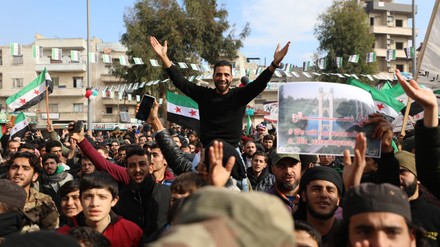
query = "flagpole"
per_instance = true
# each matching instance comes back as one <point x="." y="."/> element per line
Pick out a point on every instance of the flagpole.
<point x="89" y="71"/>
<point x="414" y="69"/>
<point x="47" y="103"/>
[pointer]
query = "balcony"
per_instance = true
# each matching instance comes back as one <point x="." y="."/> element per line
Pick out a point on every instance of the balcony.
<point x="398" y="31"/>
<point x="64" y="65"/>
<point x="396" y="8"/>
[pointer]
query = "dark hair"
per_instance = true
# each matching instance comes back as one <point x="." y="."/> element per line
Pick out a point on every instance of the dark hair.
<point x="26" y="146"/>
<point x="127" y="147"/>
<point x="51" y="156"/>
<point x="89" y="237"/>
<point x="34" y="161"/>
<point x="187" y="182"/>
<point x="306" y="159"/>
<point x="68" y="187"/>
<point x="222" y="63"/>
<point x="268" y="137"/>
<point x="99" y="180"/>
<point x="52" y="143"/>
<point x="260" y="153"/>
<point x="136" y="150"/>
<point x="82" y="157"/>
<point x="103" y="148"/>
<point x="304" y="226"/>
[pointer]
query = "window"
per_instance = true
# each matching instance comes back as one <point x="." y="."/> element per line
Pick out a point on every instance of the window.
<point x="399" y="23"/>
<point x="17" y="82"/>
<point x="1" y="80"/>
<point x="53" y="108"/>
<point x="78" y="107"/>
<point x="77" y="82"/>
<point x="17" y="60"/>
<point x="399" y="45"/>
<point x="371" y="21"/>
<point x="56" y="81"/>
<point x="109" y="110"/>
<point x="1" y="57"/>
<point x="400" y="67"/>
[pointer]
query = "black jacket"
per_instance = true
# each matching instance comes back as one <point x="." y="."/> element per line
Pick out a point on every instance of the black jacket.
<point x="426" y="216"/>
<point x="171" y="152"/>
<point x="145" y="204"/>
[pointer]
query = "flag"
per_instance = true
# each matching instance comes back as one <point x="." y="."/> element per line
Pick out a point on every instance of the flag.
<point x="322" y="63"/>
<point x="384" y="103"/>
<point x="30" y="95"/>
<point x="182" y="65"/>
<point x="74" y="56"/>
<point x="353" y="59"/>
<point x="106" y="58"/>
<point x="138" y="61"/>
<point x="386" y="86"/>
<point x="338" y="62"/>
<point x="195" y="67"/>
<point x="57" y="54"/>
<point x="154" y="63"/>
<point x="306" y="66"/>
<point x="16" y="49"/>
<point x="371" y="57"/>
<point x="93" y="57"/>
<point x="37" y="52"/>
<point x="248" y="125"/>
<point x="183" y="111"/>
<point x="123" y="60"/>
<point x="258" y="70"/>
<point x="391" y="55"/>
<point x="409" y="52"/>
<point x="20" y="126"/>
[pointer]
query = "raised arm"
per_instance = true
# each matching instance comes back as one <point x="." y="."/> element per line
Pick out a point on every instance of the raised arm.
<point x="161" y="51"/>
<point x="278" y="56"/>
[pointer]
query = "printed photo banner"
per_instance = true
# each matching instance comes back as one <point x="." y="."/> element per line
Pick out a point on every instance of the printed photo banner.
<point x="323" y="118"/>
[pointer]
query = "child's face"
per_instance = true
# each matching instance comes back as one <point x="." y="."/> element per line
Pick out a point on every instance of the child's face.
<point x="97" y="204"/>
<point x="258" y="163"/>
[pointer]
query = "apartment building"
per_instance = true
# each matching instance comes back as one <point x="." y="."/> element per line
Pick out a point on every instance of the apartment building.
<point x="390" y="23"/>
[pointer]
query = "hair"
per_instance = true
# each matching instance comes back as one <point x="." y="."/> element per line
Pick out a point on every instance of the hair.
<point x="136" y="150"/>
<point x="99" y="180"/>
<point x="13" y="141"/>
<point x="307" y="159"/>
<point x="103" y="148"/>
<point x="268" y="137"/>
<point x="188" y="182"/>
<point x="68" y="187"/>
<point x="304" y="226"/>
<point x="222" y="63"/>
<point x="260" y="153"/>
<point x="82" y="157"/>
<point x="193" y="132"/>
<point x="26" y="146"/>
<point x="52" y="143"/>
<point x="127" y="147"/>
<point x="89" y="237"/>
<point x="34" y="161"/>
<point x="51" y="156"/>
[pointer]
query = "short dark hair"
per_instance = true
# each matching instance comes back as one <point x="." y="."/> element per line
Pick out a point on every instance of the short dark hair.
<point x="52" y="143"/>
<point x="34" y="161"/>
<point x="304" y="226"/>
<point x="306" y="159"/>
<point x="268" y="137"/>
<point x="89" y="236"/>
<point x="187" y="182"/>
<point x="103" y="148"/>
<point x="260" y="153"/>
<point x="68" y="187"/>
<point x="26" y="146"/>
<point x="222" y="63"/>
<point x="136" y="150"/>
<point x="51" y="156"/>
<point x="99" y="180"/>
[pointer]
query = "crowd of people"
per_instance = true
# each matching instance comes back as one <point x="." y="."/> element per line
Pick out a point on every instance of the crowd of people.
<point x="171" y="186"/>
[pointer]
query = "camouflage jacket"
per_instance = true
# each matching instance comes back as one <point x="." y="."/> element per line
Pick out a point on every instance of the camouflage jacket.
<point x="40" y="210"/>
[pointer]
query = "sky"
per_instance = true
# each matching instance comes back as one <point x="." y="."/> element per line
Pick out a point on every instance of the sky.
<point x="271" y="22"/>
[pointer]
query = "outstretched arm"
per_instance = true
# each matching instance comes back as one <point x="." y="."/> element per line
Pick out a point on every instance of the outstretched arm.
<point x="278" y="56"/>
<point x="161" y="51"/>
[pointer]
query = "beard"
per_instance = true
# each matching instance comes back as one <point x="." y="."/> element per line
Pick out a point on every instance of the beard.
<point x="319" y="215"/>
<point x="287" y="187"/>
<point x="410" y="189"/>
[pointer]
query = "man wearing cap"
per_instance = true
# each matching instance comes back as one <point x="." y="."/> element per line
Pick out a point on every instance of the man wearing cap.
<point x="12" y="200"/>
<point x="377" y="215"/>
<point x="321" y="189"/>
<point x="287" y="171"/>
<point x="424" y="214"/>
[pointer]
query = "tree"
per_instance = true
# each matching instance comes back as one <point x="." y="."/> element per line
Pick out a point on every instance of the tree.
<point x="195" y="30"/>
<point x="343" y="30"/>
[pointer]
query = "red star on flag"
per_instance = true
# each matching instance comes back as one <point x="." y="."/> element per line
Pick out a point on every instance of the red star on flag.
<point x="192" y="112"/>
<point x="22" y="101"/>
<point x="36" y="91"/>
<point x="177" y="109"/>
<point x="380" y="106"/>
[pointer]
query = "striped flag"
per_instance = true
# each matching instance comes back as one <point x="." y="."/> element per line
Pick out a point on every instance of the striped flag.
<point x="391" y="55"/>
<point x="409" y="52"/>
<point x="322" y="63"/>
<point x="30" y="95"/>
<point x="183" y="111"/>
<point x="195" y="67"/>
<point x="16" y="49"/>
<point x="182" y="65"/>
<point x="106" y="58"/>
<point x="138" y="61"/>
<point x="74" y="56"/>
<point x="154" y="63"/>
<point x="306" y="66"/>
<point x="37" y="52"/>
<point x="57" y="54"/>
<point x="21" y="126"/>
<point x="93" y="57"/>
<point x="371" y="57"/>
<point x="384" y="102"/>
<point x="248" y="125"/>
<point x="353" y="59"/>
<point x="123" y="60"/>
<point x="339" y="62"/>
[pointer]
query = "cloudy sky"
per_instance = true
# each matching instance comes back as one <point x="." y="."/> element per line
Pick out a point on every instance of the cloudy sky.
<point x="271" y="22"/>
